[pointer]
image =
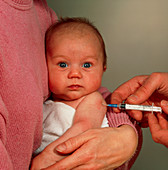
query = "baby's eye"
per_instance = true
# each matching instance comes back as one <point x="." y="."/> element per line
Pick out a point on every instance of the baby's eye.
<point x="87" y="65"/>
<point x="63" y="65"/>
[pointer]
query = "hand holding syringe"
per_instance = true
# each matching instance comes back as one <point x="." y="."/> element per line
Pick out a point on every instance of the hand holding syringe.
<point x="136" y="107"/>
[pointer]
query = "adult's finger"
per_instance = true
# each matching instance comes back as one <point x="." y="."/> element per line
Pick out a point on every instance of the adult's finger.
<point x="127" y="89"/>
<point x="153" y="123"/>
<point x="164" y="105"/>
<point x="159" y="129"/>
<point x="73" y="143"/>
<point x="70" y="162"/>
<point x="138" y="115"/>
<point x="163" y="121"/>
<point x="154" y="126"/>
<point x="150" y="85"/>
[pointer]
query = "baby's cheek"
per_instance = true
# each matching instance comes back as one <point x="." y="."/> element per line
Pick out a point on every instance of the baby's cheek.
<point x="96" y="83"/>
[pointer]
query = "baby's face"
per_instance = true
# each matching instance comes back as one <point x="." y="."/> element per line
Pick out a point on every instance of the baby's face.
<point x="75" y="65"/>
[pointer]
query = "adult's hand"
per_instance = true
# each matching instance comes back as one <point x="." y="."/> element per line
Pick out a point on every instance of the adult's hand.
<point x="142" y="90"/>
<point x="159" y="125"/>
<point x="105" y="148"/>
<point x="46" y="158"/>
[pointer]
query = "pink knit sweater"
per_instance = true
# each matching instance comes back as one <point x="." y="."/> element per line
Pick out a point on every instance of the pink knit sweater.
<point x="23" y="79"/>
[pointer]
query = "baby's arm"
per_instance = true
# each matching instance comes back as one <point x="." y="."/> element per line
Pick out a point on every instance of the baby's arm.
<point x="89" y="114"/>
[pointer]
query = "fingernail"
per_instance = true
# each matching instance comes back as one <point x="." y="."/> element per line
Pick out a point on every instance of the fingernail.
<point x="164" y="103"/>
<point x="132" y="98"/>
<point x="61" y="148"/>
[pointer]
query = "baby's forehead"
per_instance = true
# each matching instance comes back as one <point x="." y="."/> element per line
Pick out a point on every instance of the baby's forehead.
<point x="76" y="29"/>
<point x="77" y="32"/>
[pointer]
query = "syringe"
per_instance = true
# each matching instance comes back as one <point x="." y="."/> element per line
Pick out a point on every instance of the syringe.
<point x="136" y="107"/>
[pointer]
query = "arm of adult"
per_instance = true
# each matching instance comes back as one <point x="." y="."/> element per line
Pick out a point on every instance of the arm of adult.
<point x="159" y="125"/>
<point x="98" y="149"/>
<point x="142" y="90"/>
<point x="5" y="161"/>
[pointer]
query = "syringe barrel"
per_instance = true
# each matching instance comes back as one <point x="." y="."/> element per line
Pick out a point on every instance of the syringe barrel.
<point x="143" y="108"/>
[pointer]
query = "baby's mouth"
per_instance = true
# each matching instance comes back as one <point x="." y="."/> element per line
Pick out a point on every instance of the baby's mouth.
<point x="74" y="87"/>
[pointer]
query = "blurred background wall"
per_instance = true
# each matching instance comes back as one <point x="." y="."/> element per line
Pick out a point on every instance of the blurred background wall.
<point x="136" y="37"/>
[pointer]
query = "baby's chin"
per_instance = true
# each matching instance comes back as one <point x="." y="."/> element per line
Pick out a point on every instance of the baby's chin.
<point x="72" y="98"/>
<point x="73" y="102"/>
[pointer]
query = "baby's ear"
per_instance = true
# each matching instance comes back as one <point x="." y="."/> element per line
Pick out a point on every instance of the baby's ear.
<point x="104" y="68"/>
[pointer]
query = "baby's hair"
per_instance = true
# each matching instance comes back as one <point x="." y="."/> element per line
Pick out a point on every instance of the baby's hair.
<point x="75" y="23"/>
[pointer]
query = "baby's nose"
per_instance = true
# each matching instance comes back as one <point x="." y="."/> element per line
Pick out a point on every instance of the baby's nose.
<point x="75" y="73"/>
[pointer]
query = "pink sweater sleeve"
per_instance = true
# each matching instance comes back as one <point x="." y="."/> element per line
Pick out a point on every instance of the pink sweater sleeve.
<point x="118" y="119"/>
<point x="23" y="79"/>
<point x="5" y="162"/>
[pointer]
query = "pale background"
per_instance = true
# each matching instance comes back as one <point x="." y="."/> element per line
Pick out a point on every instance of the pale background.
<point x="136" y="37"/>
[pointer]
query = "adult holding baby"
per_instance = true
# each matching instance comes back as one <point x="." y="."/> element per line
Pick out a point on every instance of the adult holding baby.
<point x="24" y="88"/>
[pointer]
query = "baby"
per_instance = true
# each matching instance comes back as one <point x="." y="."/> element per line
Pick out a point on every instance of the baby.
<point x="76" y="60"/>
